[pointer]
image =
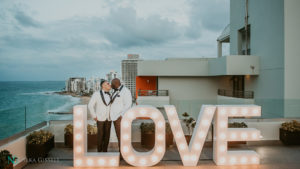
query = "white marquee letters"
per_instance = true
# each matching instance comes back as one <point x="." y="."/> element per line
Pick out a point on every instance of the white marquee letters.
<point x="222" y="134"/>
<point x="143" y="158"/>
<point x="81" y="157"/>
<point x="189" y="153"/>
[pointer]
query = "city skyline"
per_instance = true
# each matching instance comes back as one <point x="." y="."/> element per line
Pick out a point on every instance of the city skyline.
<point x="43" y="41"/>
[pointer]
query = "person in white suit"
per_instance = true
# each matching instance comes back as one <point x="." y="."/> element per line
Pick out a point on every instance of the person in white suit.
<point x="120" y="103"/>
<point x="99" y="107"/>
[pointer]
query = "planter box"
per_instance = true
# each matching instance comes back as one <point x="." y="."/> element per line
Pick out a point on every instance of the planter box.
<point x="148" y="140"/>
<point x="169" y="140"/>
<point x="36" y="151"/>
<point x="289" y="138"/>
<point x="92" y="141"/>
<point x="69" y="140"/>
<point x="236" y="143"/>
<point x="188" y="139"/>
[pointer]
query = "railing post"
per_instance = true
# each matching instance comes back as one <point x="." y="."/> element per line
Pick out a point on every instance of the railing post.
<point x="25" y="118"/>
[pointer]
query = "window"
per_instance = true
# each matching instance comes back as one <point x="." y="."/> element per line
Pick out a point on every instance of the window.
<point x="244" y="41"/>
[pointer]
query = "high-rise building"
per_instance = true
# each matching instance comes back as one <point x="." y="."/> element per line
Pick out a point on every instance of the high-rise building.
<point x="129" y="72"/>
<point x="111" y="75"/>
<point x="76" y="85"/>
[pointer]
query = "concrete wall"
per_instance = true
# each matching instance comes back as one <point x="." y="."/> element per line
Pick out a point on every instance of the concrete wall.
<point x="174" y="67"/>
<point x="189" y="93"/>
<point x="227" y="65"/>
<point x="292" y="58"/>
<point x="242" y="65"/>
<point x="233" y="100"/>
<point x="156" y="101"/>
<point x="267" y="42"/>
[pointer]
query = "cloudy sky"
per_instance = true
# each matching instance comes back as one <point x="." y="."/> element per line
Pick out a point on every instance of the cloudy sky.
<point x="56" y="39"/>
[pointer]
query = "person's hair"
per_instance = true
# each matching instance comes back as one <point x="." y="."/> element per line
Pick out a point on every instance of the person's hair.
<point x="101" y="83"/>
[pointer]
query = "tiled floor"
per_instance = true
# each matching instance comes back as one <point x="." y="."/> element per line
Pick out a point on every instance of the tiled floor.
<point x="272" y="157"/>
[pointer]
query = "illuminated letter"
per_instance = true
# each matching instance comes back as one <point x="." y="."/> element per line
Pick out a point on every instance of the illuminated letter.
<point x="81" y="157"/>
<point x="143" y="158"/>
<point x="223" y="134"/>
<point x="190" y="154"/>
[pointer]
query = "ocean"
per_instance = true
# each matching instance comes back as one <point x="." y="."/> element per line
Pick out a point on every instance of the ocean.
<point x="38" y="97"/>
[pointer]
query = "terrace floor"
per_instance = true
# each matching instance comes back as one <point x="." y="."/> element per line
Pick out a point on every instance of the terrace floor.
<point x="273" y="156"/>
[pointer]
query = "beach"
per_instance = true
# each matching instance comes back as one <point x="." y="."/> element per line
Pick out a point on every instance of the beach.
<point x="84" y="100"/>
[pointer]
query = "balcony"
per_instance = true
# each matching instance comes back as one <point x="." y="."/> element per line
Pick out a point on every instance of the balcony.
<point x="221" y="66"/>
<point x="235" y="97"/>
<point x="236" y="93"/>
<point x="153" y="93"/>
<point x="156" y="98"/>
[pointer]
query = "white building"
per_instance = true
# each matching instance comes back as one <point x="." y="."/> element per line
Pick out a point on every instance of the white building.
<point x="111" y="75"/>
<point x="129" y="72"/>
<point x="93" y="84"/>
<point x="76" y="85"/>
<point x="262" y="67"/>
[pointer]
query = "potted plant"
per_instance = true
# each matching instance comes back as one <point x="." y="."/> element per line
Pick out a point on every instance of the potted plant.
<point x="92" y="136"/>
<point x="5" y="160"/>
<point x="69" y="136"/>
<point x="169" y="135"/>
<point x="236" y="125"/>
<point x="39" y="143"/>
<point x="289" y="133"/>
<point x="147" y="135"/>
<point x="190" y="123"/>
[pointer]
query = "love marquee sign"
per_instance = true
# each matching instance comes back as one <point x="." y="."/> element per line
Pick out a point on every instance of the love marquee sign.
<point x="189" y="153"/>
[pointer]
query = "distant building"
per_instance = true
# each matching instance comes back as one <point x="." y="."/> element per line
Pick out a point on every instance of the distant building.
<point x="111" y="75"/>
<point x="76" y="85"/>
<point x="129" y="72"/>
<point x="93" y="84"/>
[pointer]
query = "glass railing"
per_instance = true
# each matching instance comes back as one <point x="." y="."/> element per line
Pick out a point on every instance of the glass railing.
<point x="16" y="120"/>
<point x="236" y="93"/>
<point x="153" y="93"/>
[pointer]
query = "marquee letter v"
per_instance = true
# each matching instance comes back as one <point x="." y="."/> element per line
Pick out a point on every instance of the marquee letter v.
<point x="190" y="154"/>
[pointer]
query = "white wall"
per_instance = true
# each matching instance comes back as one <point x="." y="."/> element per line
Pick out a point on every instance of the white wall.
<point x="233" y="100"/>
<point x="189" y="93"/>
<point x="291" y="58"/>
<point x="156" y="101"/>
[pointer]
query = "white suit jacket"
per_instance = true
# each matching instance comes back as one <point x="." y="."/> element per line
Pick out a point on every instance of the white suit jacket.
<point x="121" y="103"/>
<point x="97" y="108"/>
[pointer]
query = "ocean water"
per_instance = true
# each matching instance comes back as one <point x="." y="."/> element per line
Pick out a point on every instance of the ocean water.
<point x="38" y="97"/>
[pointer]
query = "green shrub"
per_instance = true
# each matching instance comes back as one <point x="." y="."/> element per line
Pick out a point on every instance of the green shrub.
<point x="291" y="126"/>
<point x="39" y="137"/>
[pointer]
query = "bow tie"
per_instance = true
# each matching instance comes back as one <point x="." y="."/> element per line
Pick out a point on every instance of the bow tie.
<point x="107" y="93"/>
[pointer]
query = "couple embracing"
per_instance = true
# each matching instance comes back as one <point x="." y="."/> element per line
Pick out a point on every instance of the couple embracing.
<point x="106" y="106"/>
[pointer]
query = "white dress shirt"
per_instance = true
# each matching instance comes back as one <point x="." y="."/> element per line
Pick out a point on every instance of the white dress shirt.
<point x="106" y="97"/>
<point x="97" y="108"/>
<point x="121" y="103"/>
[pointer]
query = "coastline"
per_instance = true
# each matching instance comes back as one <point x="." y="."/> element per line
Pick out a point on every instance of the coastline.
<point x="83" y="100"/>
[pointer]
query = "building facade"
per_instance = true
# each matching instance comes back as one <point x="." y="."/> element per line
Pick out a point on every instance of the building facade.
<point x="273" y="30"/>
<point x="261" y="68"/>
<point x="111" y="75"/>
<point x="129" y="72"/>
<point x="76" y="85"/>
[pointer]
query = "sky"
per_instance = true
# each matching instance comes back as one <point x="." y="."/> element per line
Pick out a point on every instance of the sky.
<point x="57" y="39"/>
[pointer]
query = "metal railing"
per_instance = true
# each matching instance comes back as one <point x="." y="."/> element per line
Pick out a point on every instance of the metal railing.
<point x="153" y="93"/>
<point x="236" y="93"/>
